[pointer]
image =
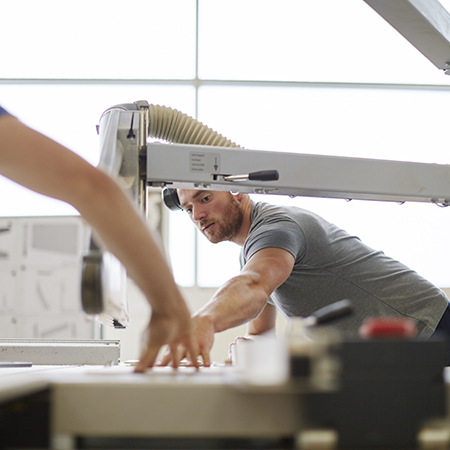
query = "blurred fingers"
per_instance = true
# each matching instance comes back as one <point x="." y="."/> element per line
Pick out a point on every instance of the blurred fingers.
<point x="206" y="358"/>
<point x="165" y="359"/>
<point x="177" y="354"/>
<point x="192" y="354"/>
<point x="147" y="359"/>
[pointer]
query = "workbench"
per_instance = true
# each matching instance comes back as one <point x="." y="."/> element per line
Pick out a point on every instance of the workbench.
<point x="67" y="407"/>
<point x="93" y="406"/>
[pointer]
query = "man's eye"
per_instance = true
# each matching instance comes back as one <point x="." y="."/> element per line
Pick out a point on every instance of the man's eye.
<point x="206" y="198"/>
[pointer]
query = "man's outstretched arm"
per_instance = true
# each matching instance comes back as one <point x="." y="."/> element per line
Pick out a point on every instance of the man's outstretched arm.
<point x="241" y="299"/>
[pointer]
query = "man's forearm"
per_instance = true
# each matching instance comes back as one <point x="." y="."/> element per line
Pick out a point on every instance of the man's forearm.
<point x="237" y="302"/>
<point x="244" y="297"/>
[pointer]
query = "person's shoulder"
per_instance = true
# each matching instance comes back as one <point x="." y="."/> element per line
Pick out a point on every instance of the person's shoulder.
<point x="269" y="214"/>
<point x="279" y="212"/>
<point x="269" y="208"/>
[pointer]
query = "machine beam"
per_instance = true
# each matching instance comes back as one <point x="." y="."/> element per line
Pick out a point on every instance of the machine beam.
<point x="424" y="23"/>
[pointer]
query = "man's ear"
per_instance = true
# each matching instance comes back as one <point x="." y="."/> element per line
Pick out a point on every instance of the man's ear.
<point x="239" y="195"/>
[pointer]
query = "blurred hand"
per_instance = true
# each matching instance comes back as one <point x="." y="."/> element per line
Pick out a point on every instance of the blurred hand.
<point x="203" y="335"/>
<point x="174" y="331"/>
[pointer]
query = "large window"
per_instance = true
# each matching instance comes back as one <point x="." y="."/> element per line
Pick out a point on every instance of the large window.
<point x="65" y="63"/>
<point x="322" y="77"/>
<point x="319" y="76"/>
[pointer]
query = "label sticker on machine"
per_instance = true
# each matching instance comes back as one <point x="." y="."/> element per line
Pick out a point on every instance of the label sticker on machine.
<point x="204" y="162"/>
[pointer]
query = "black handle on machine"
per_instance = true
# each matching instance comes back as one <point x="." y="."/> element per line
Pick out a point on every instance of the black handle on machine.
<point x="334" y="311"/>
<point x="264" y="175"/>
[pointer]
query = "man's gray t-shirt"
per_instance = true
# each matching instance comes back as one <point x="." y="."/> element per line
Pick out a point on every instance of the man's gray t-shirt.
<point x="331" y="265"/>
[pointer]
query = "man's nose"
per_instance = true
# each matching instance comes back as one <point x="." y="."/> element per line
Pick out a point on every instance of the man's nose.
<point x="198" y="213"/>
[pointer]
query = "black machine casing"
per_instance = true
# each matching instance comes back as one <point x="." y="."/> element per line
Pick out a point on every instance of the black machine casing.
<point x="388" y="389"/>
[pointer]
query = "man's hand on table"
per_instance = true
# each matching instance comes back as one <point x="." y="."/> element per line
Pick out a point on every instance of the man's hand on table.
<point x="203" y="336"/>
<point x="175" y="332"/>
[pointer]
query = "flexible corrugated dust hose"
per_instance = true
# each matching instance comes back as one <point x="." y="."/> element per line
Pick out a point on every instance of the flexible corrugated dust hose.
<point x="176" y="127"/>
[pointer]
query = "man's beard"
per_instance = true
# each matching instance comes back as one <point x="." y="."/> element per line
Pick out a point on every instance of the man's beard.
<point x="230" y="223"/>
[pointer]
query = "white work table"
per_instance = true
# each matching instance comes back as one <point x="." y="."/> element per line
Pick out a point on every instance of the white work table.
<point x="114" y="402"/>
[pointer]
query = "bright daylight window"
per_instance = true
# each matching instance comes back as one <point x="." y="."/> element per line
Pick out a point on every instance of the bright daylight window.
<point x="333" y="78"/>
<point x="320" y="76"/>
<point x="70" y="62"/>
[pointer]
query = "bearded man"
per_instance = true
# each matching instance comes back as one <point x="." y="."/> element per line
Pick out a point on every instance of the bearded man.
<point x="295" y="261"/>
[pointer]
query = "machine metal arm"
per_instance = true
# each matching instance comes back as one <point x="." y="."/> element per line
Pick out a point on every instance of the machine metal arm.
<point x="424" y="23"/>
<point x="197" y="167"/>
